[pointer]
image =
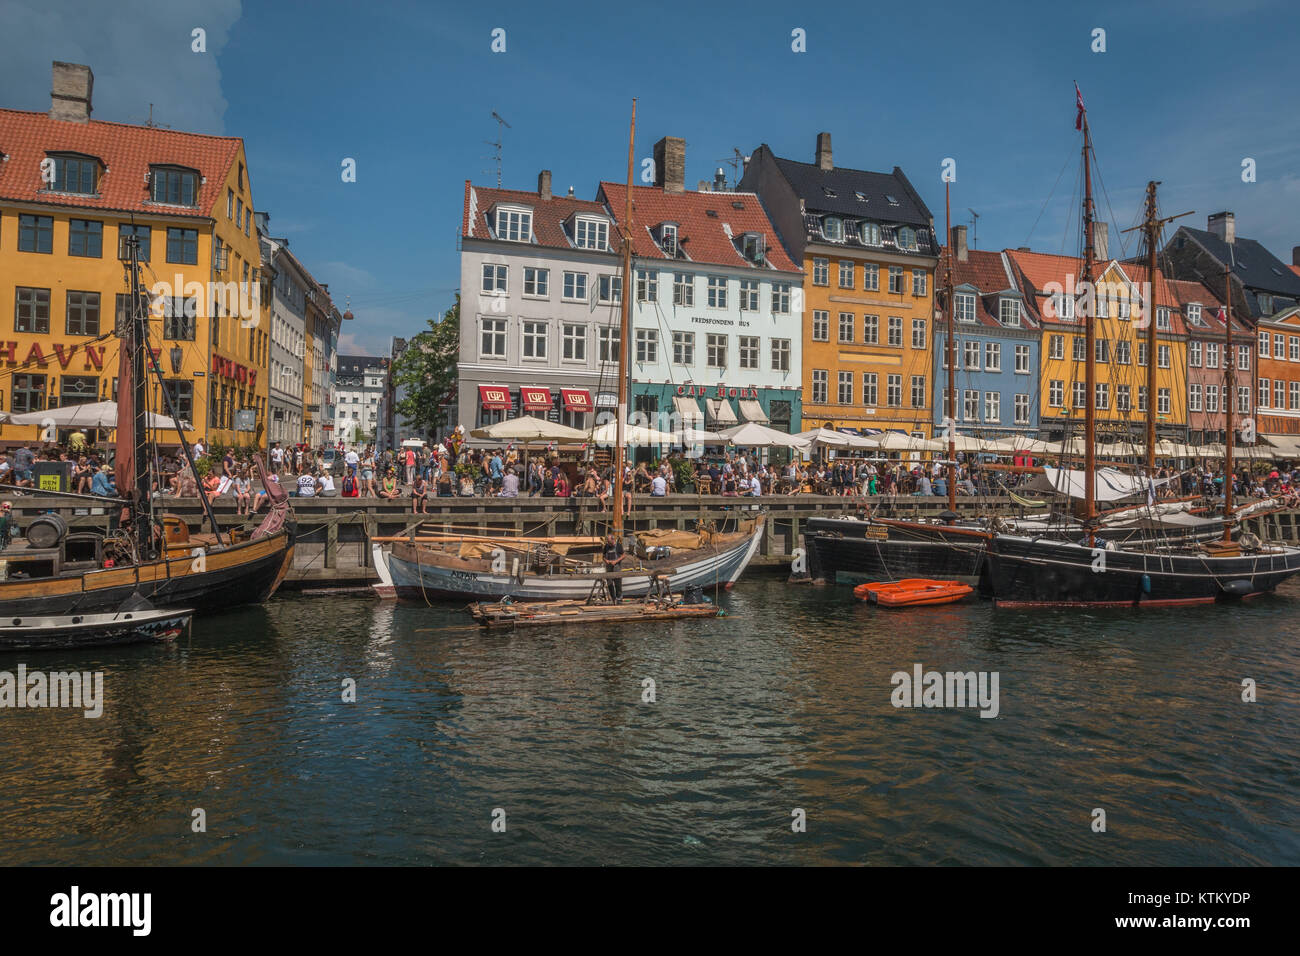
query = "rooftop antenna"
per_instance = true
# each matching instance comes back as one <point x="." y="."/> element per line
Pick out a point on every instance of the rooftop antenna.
<point x="974" y="228"/>
<point x="497" y="144"/>
<point x="737" y="163"/>
<point x="150" y="121"/>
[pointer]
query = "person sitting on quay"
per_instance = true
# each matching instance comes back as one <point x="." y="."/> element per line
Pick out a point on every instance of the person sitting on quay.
<point x="562" y="489"/>
<point x="307" y="485"/>
<point x="419" y="495"/>
<point x="658" y="487"/>
<point x="388" y="487"/>
<point x="509" y="484"/>
<point x="211" y="485"/>
<point x="262" y="497"/>
<point x="243" y="492"/>
<point x="102" y="484"/>
<point x="326" y="487"/>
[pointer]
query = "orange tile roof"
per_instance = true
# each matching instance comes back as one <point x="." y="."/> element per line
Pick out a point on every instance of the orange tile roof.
<point x="126" y="153"/>
<point x="701" y="237"/>
<point x="1038" y="269"/>
<point x="984" y="270"/>
<point x="549" y="215"/>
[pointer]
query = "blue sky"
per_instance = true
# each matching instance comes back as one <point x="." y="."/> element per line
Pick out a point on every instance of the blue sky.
<point x="1182" y="94"/>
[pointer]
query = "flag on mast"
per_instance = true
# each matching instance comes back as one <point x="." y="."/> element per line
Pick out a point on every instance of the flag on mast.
<point x="1078" y="101"/>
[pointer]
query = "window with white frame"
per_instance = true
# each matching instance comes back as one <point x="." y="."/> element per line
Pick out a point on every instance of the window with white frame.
<point x="1279" y="393"/>
<point x="971" y="354"/>
<point x="896" y="330"/>
<point x="1162" y="356"/>
<point x="575" y="286"/>
<point x="1211" y="355"/>
<point x="1243" y="397"/>
<point x="846" y="327"/>
<point x="1056" y="347"/>
<point x="1264" y="387"/>
<point x="537" y="282"/>
<point x="846" y="276"/>
<point x="918" y="391"/>
<point x="844" y="392"/>
<point x="821" y="271"/>
<point x="609" y="289"/>
<point x="1194" y="354"/>
<point x="821" y="325"/>
<point x="1123" y="398"/>
<point x="970" y="405"/>
<point x="965" y="307"/>
<point x="894" y="391"/>
<point x="683" y="289"/>
<point x="1295" y="396"/>
<point x="1194" y="314"/>
<point x="494" y="279"/>
<point x="907" y="238"/>
<point x="668" y="239"/>
<point x="749" y="351"/>
<point x="820" y="386"/>
<point x="869" y="233"/>
<point x="647" y="285"/>
<point x="1263" y="345"/>
<point x="515" y="225"/>
<point x="608" y="342"/>
<point x="780" y="355"/>
<point x="871" y="329"/>
<point x="716" y="350"/>
<point x="748" y="295"/>
<point x="993" y="407"/>
<point x="534" y="342"/>
<point x="918" y="333"/>
<point x="717" y="292"/>
<point x="1080" y="348"/>
<point x="920" y="282"/>
<point x="1103" y="396"/>
<point x="1142" y="354"/>
<point x="1022" y="408"/>
<point x="870" y="277"/>
<point x="833" y="228"/>
<point x="575" y="343"/>
<point x="1056" y="393"/>
<point x="1193" y="397"/>
<point x="1142" y="398"/>
<point x="992" y="356"/>
<point x="780" y="298"/>
<point x="647" y="345"/>
<point x="591" y="233"/>
<point x="1243" y="357"/>
<point x="683" y="348"/>
<point x="1022" y="359"/>
<point x="896" y="279"/>
<point x="1162" y="318"/>
<point x="1162" y="401"/>
<point x="1009" y="311"/>
<point x="493" y="338"/>
<point x="1279" y="345"/>
<point x="870" y="393"/>
<point x="1063" y="306"/>
<point x="1080" y="396"/>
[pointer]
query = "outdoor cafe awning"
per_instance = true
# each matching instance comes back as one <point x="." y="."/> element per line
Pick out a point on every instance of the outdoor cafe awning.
<point x="576" y="399"/>
<point x="752" y="411"/>
<point x="688" y="409"/>
<point x="535" y="398"/>
<point x="494" y="398"/>
<point x="721" y="412"/>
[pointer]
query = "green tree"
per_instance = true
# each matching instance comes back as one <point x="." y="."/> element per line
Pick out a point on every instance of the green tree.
<point x="426" y="371"/>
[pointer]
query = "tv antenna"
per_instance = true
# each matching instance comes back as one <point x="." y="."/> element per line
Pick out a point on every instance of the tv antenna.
<point x="150" y="121"/>
<point x="496" y="144"/>
<point x="737" y="163"/>
<point x="974" y="228"/>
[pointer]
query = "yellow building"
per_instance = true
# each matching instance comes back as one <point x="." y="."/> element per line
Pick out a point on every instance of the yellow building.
<point x="867" y="247"/>
<point x="71" y="190"/>
<point x="1119" y="292"/>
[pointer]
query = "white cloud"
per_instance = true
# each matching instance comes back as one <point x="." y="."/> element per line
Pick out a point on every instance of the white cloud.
<point x="138" y="56"/>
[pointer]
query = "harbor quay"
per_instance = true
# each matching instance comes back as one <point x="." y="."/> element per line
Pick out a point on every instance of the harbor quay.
<point x="334" y="536"/>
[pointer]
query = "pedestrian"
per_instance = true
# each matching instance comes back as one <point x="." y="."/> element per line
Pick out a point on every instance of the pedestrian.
<point x="613" y="558"/>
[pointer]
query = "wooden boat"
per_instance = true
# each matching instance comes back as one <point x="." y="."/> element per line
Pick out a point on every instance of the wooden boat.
<point x="140" y="626"/>
<point x="65" y="574"/>
<point x="912" y="592"/>
<point x="599" y="608"/>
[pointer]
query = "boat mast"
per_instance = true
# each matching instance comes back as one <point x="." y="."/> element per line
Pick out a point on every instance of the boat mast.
<point x="143" y="494"/>
<point x="624" y="333"/>
<point x="1229" y="366"/>
<point x="1152" y="230"/>
<point x="1090" y="343"/>
<point x="950" y="305"/>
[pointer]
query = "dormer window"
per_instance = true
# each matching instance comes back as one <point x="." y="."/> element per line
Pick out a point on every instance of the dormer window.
<point x="74" y="174"/>
<point x="965" y="310"/>
<point x="173" y="186"/>
<point x="515" y="225"/>
<point x="907" y="238"/>
<point x="1162" y="318"/>
<point x="833" y="228"/>
<point x="668" y="239"/>
<point x="1194" y="314"/>
<point x="1265" y="304"/>
<point x="1009" y="311"/>
<point x="591" y="233"/>
<point x="869" y="233"/>
<point x="752" y="247"/>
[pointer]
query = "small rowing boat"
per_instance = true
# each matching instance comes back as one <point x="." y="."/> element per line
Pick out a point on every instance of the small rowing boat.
<point x="912" y="592"/>
<point x="599" y="608"/>
<point x="140" y="626"/>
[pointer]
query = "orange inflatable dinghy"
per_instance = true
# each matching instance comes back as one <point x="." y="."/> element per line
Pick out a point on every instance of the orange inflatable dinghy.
<point x="912" y="592"/>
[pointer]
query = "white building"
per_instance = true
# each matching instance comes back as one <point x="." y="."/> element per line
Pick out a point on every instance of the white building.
<point x="357" y="391"/>
<point x="288" y="310"/>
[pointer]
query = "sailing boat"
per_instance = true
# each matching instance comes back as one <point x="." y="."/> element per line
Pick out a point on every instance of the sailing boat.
<point x="549" y="569"/>
<point x="65" y="574"/>
<point x="1032" y="571"/>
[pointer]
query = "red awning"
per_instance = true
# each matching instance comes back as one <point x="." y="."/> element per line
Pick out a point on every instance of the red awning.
<point x="576" y="399"/>
<point x="494" y="398"/>
<point x="535" y="399"/>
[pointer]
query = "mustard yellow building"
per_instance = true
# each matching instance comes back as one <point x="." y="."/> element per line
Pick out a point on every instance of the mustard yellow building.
<point x="1120" y="293"/>
<point x="867" y="247"/>
<point x="71" y="190"/>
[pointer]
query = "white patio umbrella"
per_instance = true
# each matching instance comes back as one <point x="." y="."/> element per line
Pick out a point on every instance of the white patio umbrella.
<point x="632" y="435"/>
<point x="897" y="441"/>
<point x="528" y="429"/>
<point x="823" y="436"/>
<point x="89" y="415"/>
<point x="753" y="435"/>
<point x="698" y="436"/>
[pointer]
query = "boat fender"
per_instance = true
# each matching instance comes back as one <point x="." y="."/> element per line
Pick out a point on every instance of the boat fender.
<point x="1146" y="584"/>
<point x="1238" y="588"/>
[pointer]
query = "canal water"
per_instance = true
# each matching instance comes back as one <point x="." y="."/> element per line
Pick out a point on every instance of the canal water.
<point x="779" y="712"/>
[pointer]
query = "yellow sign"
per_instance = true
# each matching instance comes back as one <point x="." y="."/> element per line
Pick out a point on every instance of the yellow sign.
<point x="50" y="483"/>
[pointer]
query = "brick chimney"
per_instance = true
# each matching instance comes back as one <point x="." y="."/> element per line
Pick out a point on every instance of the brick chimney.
<point x="670" y="164"/>
<point x="544" y="184"/>
<point x="1223" y="225"/>
<point x="1101" y="241"/>
<point x="958" y="241"/>
<point x="824" y="151"/>
<point x="1295" y="255"/>
<point x="70" y="96"/>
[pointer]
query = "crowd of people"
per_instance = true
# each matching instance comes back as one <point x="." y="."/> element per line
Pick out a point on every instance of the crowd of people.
<point x="419" y="471"/>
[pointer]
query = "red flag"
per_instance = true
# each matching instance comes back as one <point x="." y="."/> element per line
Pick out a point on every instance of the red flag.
<point x="1078" y="101"/>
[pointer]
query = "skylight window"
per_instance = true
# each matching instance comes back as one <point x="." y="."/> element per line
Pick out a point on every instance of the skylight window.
<point x="892" y="200"/>
<point x="830" y="193"/>
<point x="860" y="197"/>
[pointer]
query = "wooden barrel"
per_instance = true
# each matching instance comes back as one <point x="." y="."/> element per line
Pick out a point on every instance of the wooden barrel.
<point x="46" y="531"/>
